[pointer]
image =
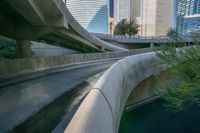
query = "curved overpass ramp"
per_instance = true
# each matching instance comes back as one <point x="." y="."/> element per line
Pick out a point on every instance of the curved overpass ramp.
<point x="101" y="110"/>
<point x="47" y="20"/>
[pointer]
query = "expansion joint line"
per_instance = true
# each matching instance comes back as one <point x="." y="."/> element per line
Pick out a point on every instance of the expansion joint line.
<point x="105" y="98"/>
<point x="107" y="103"/>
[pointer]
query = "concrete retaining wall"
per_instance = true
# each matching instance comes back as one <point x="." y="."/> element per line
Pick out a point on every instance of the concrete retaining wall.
<point x="101" y="110"/>
<point x="10" y="68"/>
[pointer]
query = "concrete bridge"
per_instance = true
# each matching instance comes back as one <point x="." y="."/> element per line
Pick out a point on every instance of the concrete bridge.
<point x="101" y="110"/>
<point x="49" y="20"/>
<point x="35" y="82"/>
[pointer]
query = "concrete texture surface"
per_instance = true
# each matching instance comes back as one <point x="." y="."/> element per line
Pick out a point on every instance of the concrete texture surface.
<point x="80" y="94"/>
<point x="23" y="99"/>
<point x="116" y="84"/>
<point x="91" y="122"/>
<point x="41" y="49"/>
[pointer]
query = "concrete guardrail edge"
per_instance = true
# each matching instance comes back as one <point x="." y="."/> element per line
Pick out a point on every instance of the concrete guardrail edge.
<point x="101" y="110"/>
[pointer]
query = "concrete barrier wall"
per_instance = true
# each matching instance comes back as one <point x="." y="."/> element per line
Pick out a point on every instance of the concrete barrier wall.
<point x="41" y="49"/>
<point x="10" y="68"/>
<point x="101" y="110"/>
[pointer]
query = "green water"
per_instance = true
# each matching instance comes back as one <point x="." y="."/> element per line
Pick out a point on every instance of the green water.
<point x="154" y="118"/>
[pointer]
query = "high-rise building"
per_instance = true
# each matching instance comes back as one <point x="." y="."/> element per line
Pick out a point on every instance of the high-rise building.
<point x="153" y="16"/>
<point x="164" y="16"/>
<point x="121" y="10"/>
<point x="148" y="17"/>
<point x="135" y="6"/>
<point x="188" y="16"/>
<point x="93" y="15"/>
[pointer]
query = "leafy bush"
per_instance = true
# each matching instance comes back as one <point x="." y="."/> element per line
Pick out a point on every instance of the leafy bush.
<point x="184" y="61"/>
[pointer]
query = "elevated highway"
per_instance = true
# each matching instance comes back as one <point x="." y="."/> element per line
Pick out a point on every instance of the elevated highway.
<point x="165" y="39"/>
<point x="161" y="39"/>
<point x="46" y="20"/>
<point x="134" y="42"/>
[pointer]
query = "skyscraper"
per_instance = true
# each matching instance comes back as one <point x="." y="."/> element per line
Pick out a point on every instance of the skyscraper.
<point x="121" y="10"/>
<point x="154" y="16"/>
<point x="148" y="17"/>
<point x="135" y="6"/>
<point x="188" y="16"/>
<point x="93" y="15"/>
<point x="164" y="16"/>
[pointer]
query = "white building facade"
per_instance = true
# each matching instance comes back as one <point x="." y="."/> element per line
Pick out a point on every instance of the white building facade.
<point x="155" y="17"/>
<point x="121" y="10"/>
<point x="93" y="15"/>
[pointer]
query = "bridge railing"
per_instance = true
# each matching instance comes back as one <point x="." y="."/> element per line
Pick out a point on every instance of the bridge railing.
<point x="11" y="68"/>
<point x="101" y="110"/>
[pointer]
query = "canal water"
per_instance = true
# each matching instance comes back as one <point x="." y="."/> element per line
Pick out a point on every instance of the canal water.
<point x="155" y="117"/>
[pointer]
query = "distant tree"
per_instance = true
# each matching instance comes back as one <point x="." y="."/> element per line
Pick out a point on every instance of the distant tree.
<point x="124" y="27"/>
<point x="172" y="32"/>
<point x="7" y="48"/>
<point x="132" y="28"/>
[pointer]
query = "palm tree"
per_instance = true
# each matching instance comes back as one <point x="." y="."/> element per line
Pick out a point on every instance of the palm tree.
<point x="124" y="27"/>
<point x="121" y="27"/>
<point x="132" y="28"/>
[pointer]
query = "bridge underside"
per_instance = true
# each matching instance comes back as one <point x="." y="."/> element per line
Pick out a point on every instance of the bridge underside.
<point x="43" y="21"/>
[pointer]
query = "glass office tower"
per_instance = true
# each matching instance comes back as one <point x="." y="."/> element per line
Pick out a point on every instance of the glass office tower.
<point x="188" y="16"/>
<point x="93" y="15"/>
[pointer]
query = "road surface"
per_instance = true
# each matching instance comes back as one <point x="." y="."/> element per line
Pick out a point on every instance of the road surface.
<point x="21" y="100"/>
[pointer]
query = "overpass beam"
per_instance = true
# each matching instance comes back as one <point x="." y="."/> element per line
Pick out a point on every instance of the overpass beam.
<point x="23" y="49"/>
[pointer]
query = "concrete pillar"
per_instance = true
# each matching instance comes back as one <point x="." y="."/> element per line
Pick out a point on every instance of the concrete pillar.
<point x="23" y="49"/>
<point x="151" y="45"/>
<point x="103" y="49"/>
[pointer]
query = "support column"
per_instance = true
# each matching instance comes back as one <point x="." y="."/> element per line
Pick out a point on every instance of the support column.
<point x="151" y="45"/>
<point x="23" y="49"/>
<point x="103" y="49"/>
